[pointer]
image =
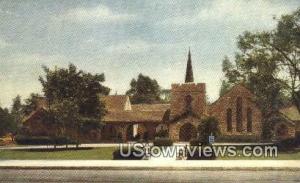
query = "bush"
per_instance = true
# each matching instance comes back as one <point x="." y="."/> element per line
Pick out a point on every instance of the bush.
<point x="137" y="137"/>
<point x="298" y="139"/>
<point x="63" y="141"/>
<point x="208" y="126"/>
<point x="238" y="138"/>
<point x="42" y="140"/>
<point x="288" y="144"/>
<point x="162" y="142"/>
<point x="117" y="154"/>
<point x="162" y="133"/>
<point x="195" y="142"/>
<point x="200" y="155"/>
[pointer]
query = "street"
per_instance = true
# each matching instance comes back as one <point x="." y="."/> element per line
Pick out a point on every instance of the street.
<point x="11" y="175"/>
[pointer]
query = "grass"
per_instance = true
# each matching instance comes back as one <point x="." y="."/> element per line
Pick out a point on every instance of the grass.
<point x="103" y="153"/>
<point x="295" y="155"/>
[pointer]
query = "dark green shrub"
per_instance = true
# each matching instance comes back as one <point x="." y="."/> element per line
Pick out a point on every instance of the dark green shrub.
<point x="63" y="141"/>
<point x="146" y="136"/>
<point x="200" y="155"/>
<point x="288" y="144"/>
<point x="162" y="142"/>
<point x="42" y="140"/>
<point x="161" y="133"/>
<point x="34" y="140"/>
<point x="298" y="139"/>
<point x="208" y="126"/>
<point x="137" y="137"/>
<point x="117" y="154"/>
<point x="195" y="142"/>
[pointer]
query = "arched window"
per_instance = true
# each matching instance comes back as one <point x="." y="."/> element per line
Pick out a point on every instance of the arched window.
<point x="188" y="103"/>
<point x="239" y="114"/>
<point x="249" y="120"/>
<point x="229" y="119"/>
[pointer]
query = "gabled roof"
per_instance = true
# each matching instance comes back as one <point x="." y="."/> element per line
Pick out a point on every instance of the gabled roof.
<point x="115" y="102"/>
<point x="34" y="113"/>
<point x="134" y="116"/>
<point x="291" y="112"/>
<point x="150" y="107"/>
<point x="235" y="89"/>
<point x="120" y="110"/>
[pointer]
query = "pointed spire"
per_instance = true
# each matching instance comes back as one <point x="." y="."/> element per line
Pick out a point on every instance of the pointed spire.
<point x="189" y="77"/>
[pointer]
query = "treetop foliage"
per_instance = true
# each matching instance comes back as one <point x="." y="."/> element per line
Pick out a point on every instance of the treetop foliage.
<point x="144" y="90"/>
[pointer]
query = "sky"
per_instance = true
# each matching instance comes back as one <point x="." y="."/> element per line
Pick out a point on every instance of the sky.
<point x="124" y="38"/>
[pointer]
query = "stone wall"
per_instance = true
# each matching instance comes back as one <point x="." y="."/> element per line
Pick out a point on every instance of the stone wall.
<point x="174" y="128"/>
<point x="219" y="110"/>
<point x="179" y="92"/>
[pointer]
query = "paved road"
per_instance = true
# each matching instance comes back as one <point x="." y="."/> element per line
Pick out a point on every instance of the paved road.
<point x="147" y="176"/>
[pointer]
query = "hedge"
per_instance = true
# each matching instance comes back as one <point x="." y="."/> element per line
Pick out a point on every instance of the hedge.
<point x="200" y="155"/>
<point x="117" y="154"/>
<point x="288" y="144"/>
<point x="298" y="139"/>
<point x="195" y="142"/>
<point x="162" y="142"/>
<point x="42" y="140"/>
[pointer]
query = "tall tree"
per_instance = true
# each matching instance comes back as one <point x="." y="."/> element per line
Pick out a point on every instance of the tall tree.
<point x="6" y="121"/>
<point x="31" y="103"/>
<point x="268" y="64"/>
<point x="17" y="112"/>
<point x="144" y="90"/>
<point x="67" y="87"/>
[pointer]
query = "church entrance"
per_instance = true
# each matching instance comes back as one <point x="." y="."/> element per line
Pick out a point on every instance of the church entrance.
<point x="187" y="132"/>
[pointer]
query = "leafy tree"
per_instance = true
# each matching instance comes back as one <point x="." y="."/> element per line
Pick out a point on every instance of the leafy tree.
<point x="225" y="87"/>
<point x="17" y="113"/>
<point x="66" y="117"/>
<point x="73" y="97"/>
<point x="6" y="121"/>
<point x="144" y="90"/>
<point x="208" y="126"/>
<point x="31" y="103"/>
<point x="268" y="64"/>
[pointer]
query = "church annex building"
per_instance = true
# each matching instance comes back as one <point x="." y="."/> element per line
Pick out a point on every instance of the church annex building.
<point x="236" y="111"/>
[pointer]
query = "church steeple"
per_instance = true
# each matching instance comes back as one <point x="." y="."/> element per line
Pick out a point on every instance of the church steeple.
<point x="189" y="77"/>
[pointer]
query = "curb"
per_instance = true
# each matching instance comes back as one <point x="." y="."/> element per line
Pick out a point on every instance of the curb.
<point x="150" y="168"/>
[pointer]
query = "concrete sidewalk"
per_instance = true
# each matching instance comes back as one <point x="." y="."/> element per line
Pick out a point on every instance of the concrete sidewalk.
<point x="293" y="165"/>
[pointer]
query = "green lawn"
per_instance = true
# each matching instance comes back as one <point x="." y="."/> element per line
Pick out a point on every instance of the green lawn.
<point x="103" y="153"/>
<point x="281" y="156"/>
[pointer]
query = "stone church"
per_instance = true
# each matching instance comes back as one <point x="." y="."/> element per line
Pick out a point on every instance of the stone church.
<point x="238" y="115"/>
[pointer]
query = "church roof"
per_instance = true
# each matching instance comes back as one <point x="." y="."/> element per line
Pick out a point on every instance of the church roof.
<point x="134" y="116"/>
<point x="189" y="77"/>
<point x="120" y="110"/>
<point x="115" y="102"/>
<point x="150" y="107"/>
<point x="34" y="114"/>
<point x="236" y="89"/>
<point x="291" y="112"/>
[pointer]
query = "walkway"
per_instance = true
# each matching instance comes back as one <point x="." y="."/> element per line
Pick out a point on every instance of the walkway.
<point x="153" y="165"/>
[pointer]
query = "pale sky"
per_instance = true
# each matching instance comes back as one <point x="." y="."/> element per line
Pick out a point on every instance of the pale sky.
<point x="124" y="38"/>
